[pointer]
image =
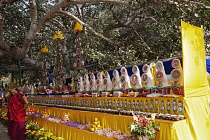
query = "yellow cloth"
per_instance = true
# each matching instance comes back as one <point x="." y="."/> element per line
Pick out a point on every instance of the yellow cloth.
<point x="173" y="130"/>
<point x="180" y="81"/>
<point x="196" y="86"/>
<point x="194" y="61"/>
<point x="197" y="113"/>
<point x="153" y="71"/>
<point x="107" y="120"/>
<point x="44" y="49"/>
<point x="77" y="26"/>
<point x="68" y="133"/>
<point x="208" y="78"/>
<point x="58" y="35"/>
<point x="169" y="130"/>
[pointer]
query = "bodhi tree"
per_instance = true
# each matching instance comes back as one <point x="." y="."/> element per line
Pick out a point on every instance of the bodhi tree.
<point x="116" y="32"/>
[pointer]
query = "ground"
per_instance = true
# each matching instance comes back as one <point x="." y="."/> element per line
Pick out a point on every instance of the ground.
<point x="3" y="132"/>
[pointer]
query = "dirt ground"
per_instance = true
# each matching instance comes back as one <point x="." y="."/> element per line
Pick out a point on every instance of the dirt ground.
<point x="3" y="132"/>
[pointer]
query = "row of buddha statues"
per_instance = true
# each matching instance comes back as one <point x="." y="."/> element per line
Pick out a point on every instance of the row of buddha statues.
<point x="153" y="75"/>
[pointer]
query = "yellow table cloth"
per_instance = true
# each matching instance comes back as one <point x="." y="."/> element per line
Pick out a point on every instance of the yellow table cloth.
<point x="114" y="122"/>
<point x="169" y="130"/>
<point x="67" y="132"/>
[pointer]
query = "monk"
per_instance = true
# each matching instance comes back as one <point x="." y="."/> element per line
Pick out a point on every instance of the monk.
<point x="11" y="93"/>
<point x="17" y="114"/>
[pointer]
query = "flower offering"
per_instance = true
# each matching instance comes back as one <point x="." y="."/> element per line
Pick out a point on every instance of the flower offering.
<point x="45" y="114"/>
<point x="144" y="127"/>
<point x="31" y="111"/>
<point x="96" y="125"/>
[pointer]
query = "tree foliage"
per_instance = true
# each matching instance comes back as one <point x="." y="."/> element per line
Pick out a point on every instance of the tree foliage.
<point x="116" y="33"/>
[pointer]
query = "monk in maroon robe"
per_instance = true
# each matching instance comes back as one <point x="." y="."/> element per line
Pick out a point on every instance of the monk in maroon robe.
<point x="12" y="92"/>
<point x="17" y="115"/>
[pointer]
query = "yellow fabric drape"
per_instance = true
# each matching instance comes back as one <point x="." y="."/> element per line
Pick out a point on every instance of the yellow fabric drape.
<point x="196" y="86"/>
<point x="194" y="61"/>
<point x="68" y="133"/>
<point x="181" y="131"/>
<point x="77" y="26"/>
<point x="107" y="120"/>
<point x="198" y="117"/>
<point x="169" y="130"/>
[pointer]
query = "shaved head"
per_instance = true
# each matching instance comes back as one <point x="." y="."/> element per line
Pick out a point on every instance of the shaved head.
<point x="13" y="91"/>
<point x="19" y="89"/>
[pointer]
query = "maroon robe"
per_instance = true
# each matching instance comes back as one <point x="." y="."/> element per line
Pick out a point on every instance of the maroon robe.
<point x="16" y="116"/>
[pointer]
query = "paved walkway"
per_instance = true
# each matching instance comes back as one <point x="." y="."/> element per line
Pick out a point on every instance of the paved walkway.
<point x="3" y="132"/>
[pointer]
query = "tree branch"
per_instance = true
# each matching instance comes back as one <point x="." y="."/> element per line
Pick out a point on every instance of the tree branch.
<point x="1" y="28"/>
<point x="28" y="39"/>
<point x="119" y="2"/>
<point x="185" y="1"/>
<point x="87" y="26"/>
<point x="9" y="50"/>
<point x="30" y="34"/>
<point x="50" y="14"/>
<point x="3" y="45"/>
<point x="33" y="29"/>
<point x="12" y="53"/>
<point x="31" y="62"/>
<point x="145" y="44"/>
<point x="54" y="20"/>
<point x="33" y="13"/>
<point x="131" y="20"/>
<point x="196" y="3"/>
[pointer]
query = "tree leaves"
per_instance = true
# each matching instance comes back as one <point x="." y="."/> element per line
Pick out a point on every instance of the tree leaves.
<point x="151" y="30"/>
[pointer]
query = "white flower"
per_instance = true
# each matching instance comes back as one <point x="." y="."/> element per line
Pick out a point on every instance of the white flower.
<point x="133" y="127"/>
<point x="135" y="118"/>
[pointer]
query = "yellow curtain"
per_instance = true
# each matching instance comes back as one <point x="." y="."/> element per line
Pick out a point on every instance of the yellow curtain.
<point x="197" y="113"/>
<point x="194" y="61"/>
<point x="195" y="82"/>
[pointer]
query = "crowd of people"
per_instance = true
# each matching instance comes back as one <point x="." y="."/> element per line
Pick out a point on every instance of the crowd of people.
<point x="16" y="100"/>
<point x="17" y="104"/>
